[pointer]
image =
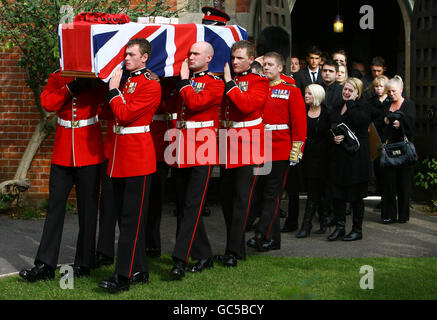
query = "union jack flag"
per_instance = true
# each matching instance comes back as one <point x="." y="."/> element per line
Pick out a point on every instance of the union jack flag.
<point x="99" y="48"/>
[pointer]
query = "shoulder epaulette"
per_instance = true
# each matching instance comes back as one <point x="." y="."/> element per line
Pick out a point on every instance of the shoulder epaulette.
<point x="259" y="74"/>
<point x="214" y="76"/>
<point x="289" y="84"/>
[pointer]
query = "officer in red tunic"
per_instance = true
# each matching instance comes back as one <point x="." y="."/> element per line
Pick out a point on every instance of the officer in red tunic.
<point x="285" y="122"/>
<point x="132" y="162"/>
<point x="77" y="155"/>
<point x="196" y="153"/>
<point x="242" y="145"/>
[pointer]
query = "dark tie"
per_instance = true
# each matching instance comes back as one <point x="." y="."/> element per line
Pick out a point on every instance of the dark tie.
<point x="314" y="77"/>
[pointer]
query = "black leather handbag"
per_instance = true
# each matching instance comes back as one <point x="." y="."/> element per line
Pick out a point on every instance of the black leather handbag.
<point x="398" y="154"/>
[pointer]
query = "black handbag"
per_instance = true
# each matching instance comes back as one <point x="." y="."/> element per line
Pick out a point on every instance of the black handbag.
<point x="398" y="154"/>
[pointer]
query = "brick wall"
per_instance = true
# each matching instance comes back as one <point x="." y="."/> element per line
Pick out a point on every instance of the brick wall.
<point x="18" y="119"/>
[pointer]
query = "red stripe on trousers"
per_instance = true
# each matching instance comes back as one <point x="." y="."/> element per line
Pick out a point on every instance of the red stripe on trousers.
<point x="277" y="203"/>
<point x="138" y="227"/>
<point x="198" y="216"/>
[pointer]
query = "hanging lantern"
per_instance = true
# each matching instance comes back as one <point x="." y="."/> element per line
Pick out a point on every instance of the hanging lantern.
<point x="338" y="24"/>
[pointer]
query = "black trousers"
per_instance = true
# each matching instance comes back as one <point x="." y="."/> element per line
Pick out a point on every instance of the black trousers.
<point x="192" y="239"/>
<point x="274" y="183"/>
<point x="131" y="202"/>
<point x="153" y="225"/>
<point x="293" y="187"/>
<point x="87" y="181"/>
<point x="397" y="181"/>
<point x="107" y="215"/>
<point x="237" y="186"/>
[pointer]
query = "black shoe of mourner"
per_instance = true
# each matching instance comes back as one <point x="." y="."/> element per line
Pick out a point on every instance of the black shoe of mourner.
<point x="201" y="265"/>
<point x="265" y="246"/>
<point x="353" y="235"/>
<point x="153" y="252"/>
<point x="40" y="272"/>
<point x="178" y="270"/>
<point x="229" y="260"/>
<point x="139" y="277"/>
<point x="402" y="221"/>
<point x="115" y="283"/>
<point x="338" y="233"/>
<point x="291" y="228"/>
<point x="102" y="260"/>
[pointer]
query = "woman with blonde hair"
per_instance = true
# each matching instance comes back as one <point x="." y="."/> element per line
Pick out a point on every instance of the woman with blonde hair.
<point x="399" y="119"/>
<point x="314" y="159"/>
<point x="349" y="170"/>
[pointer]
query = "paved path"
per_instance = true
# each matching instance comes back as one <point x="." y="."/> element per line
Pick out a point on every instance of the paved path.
<point x="19" y="239"/>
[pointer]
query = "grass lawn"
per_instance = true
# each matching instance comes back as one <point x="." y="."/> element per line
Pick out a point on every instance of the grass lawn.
<point x="260" y="277"/>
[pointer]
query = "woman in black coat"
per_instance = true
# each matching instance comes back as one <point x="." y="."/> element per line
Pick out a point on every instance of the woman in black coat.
<point x="349" y="170"/>
<point x="399" y="117"/>
<point x="314" y="158"/>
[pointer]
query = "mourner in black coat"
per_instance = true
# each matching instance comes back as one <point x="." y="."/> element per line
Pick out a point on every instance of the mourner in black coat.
<point x="349" y="171"/>
<point x="398" y="119"/>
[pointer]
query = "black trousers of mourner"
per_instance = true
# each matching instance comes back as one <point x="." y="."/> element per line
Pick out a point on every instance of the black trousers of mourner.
<point x="131" y="203"/>
<point x="192" y="239"/>
<point x="236" y="192"/>
<point x="153" y="225"/>
<point x="397" y="181"/>
<point x="274" y="183"/>
<point x="87" y="181"/>
<point x="107" y="216"/>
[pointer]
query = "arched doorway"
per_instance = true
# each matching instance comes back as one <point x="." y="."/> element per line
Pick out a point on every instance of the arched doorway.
<point x="312" y="24"/>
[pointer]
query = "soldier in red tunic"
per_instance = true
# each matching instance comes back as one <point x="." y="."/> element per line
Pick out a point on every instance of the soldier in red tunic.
<point x="240" y="148"/>
<point x="132" y="162"/>
<point x="285" y="121"/>
<point x="77" y="155"/>
<point x="196" y="153"/>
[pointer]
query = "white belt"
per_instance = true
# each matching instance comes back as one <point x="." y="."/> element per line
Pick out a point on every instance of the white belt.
<point x="243" y="124"/>
<point x="165" y="116"/>
<point x="194" y="124"/>
<point x="77" y="123"/>
<point x="130" y="130"/>
<point x="276" y="126"/>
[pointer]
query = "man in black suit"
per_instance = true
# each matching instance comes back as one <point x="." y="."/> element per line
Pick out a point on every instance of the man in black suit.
<point x="311" y="74"/>
<point x="333" y="91"/>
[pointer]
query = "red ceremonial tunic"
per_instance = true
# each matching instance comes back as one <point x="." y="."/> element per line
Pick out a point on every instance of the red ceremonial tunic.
<point x="288" y="79"/>
<point x="134" y="106"/>
<point x="285" y="105"/>
<point x="74" y="146"/>
<point x="201" y="97"/>
<point x="245" y="99"/>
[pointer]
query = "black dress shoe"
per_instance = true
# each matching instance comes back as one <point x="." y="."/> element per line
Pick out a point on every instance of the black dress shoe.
<point x="102" y="260"/>
<point x="253" y="242"/>
<point x="40" y="272"/>
<point x="402" y="221"/>
<point x="229" y="260"/>
<point x="115" y="284"/>
<point x="79" y="272"/>
<point x="338" y="233"/>
<point x="139" y="277"/>
<point x="282" y="213"/>
<point x="388" y="221"/>
<point x="178" y="270"/>
<point x="353" y="235"/>
<point x="202" y="264"/>
<point x="265" y="246"/>
<point x="153" y="252"/>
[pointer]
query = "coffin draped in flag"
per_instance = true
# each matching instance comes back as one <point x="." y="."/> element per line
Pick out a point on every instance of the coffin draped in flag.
<point x="99" y="48"/>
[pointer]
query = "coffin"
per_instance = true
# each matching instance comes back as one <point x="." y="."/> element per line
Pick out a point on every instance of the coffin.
<point x="96" y="50"/>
